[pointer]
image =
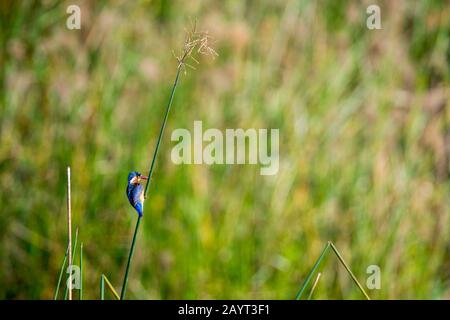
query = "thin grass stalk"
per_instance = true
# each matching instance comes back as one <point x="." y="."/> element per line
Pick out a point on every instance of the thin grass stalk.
<point x="111" y="288"/>
<point x="69" y="223"/>
<point x="150" y="173"/>
<point x="341" y="259"/>
<point x="81" y="272"/>
<point x="314" y="285"/>
<point x="102" y="288"/>
<point x="73" y="258"/>
<point x="60" y="274"/>
<point x="193" y="40"/>
<point x="161" y="131"/>
<point x="313" y="270"/>
<point x="130" y="257"/>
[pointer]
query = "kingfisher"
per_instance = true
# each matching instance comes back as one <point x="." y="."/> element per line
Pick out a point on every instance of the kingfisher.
<point x="135" y="191"/>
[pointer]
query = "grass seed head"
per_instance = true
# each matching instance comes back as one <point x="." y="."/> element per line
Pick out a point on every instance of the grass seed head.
<point x="196" y="41"/>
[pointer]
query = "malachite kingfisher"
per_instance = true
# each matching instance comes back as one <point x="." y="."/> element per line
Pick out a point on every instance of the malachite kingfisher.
<point x="135" y="191"/>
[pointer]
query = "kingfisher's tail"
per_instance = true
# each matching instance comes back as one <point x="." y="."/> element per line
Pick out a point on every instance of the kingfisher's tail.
<point x="140" y="209"/>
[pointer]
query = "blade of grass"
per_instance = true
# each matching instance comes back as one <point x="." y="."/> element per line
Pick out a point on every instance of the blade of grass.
<point x="81" y="272"/>
<point x="314" y="285"/>
<point x="69" y="224"/>
<point x="341" y="259"/>
<point x="73" y="257"/>
<point x="111" y="288"/>
<point x="313" y="270"/>
<point x="61" y="273"/>
<point x="102" y="288"/>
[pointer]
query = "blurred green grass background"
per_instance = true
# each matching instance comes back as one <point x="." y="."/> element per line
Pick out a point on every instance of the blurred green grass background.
<point x="364" y="147"/>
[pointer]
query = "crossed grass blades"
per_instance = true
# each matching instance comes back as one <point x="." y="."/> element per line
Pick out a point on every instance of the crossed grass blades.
<point x="196" y="42"/>
<point x="322" y="256"/>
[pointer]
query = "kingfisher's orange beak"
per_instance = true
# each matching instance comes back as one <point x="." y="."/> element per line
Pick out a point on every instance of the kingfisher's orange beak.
<point x="143" y="177"/>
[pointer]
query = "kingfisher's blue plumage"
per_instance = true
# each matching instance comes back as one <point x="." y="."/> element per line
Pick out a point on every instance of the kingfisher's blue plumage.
<point x="135" y="191"/>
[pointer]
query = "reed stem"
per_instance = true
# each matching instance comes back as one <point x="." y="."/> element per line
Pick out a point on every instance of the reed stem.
<point x="130" y="256"/>
<point x="150" y="173"/>
<point x="73" y="258"/>
<point x="161" y="131"/>
<point x="102" y="288"/>
<point x="193" y="40"/>
<point x="69" y="223"/>
<point x="81" y="272"/>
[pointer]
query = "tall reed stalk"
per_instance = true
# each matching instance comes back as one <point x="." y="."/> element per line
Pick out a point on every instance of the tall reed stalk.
<point x="75" y="245"/>
<point x="63" y="265"/>
<point x="194" y="40"/>
<point x="69" y="223"/>
<point x="81" y="272"/>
